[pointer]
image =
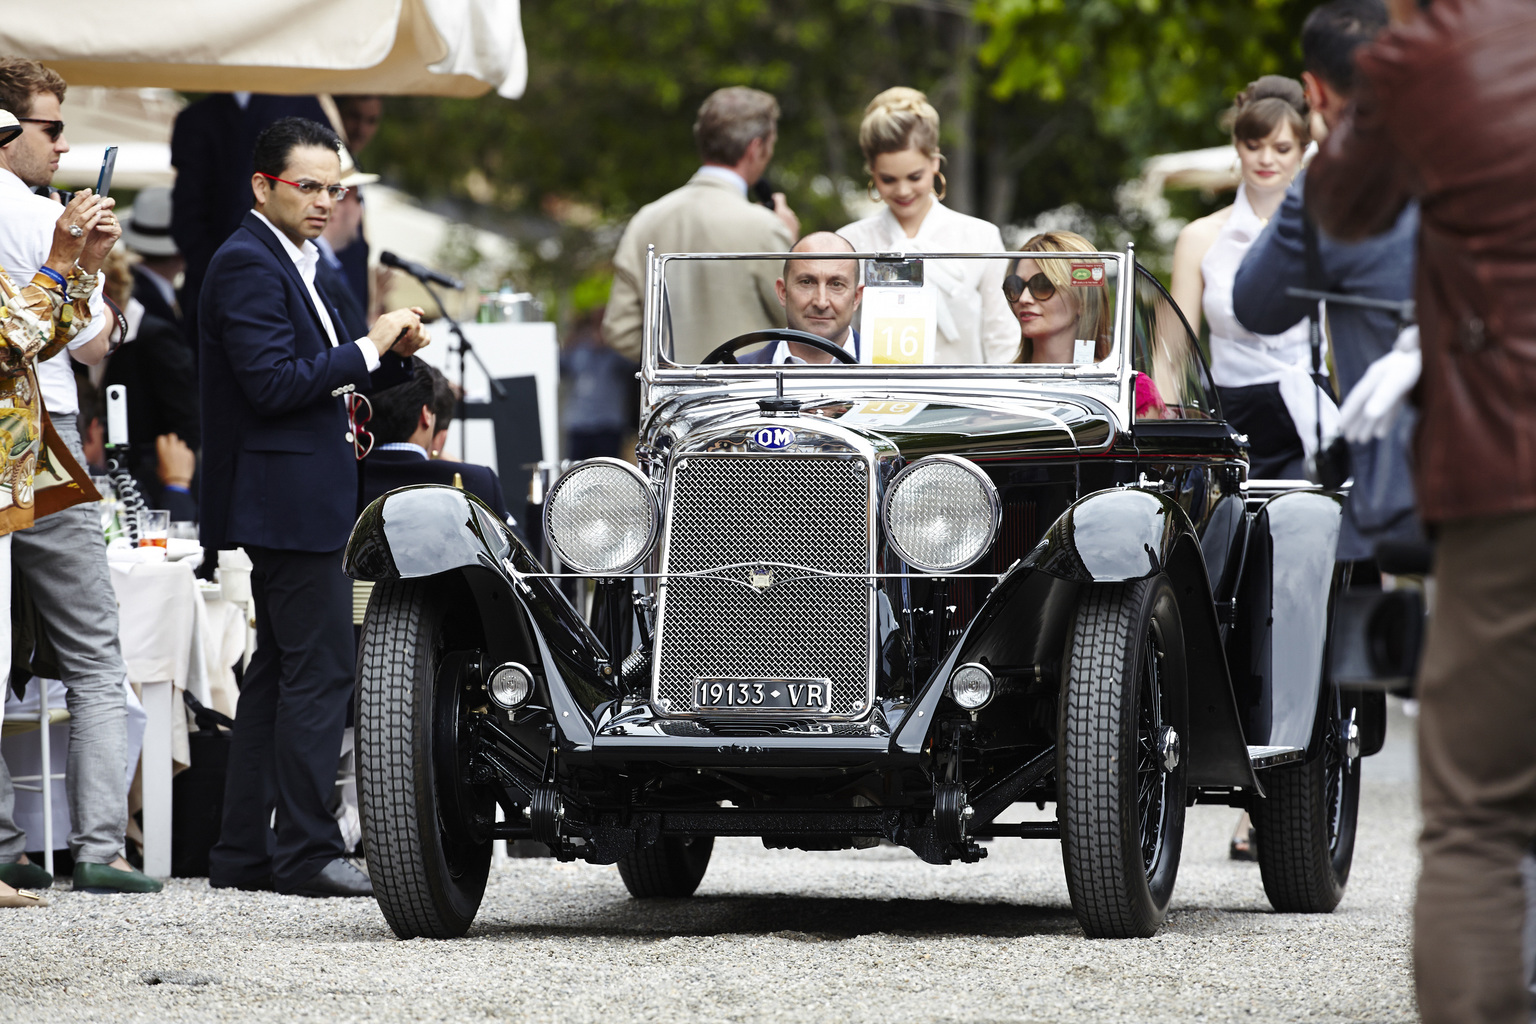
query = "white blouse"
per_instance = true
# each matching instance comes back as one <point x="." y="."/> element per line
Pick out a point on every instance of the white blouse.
<point x="975" y="324"/>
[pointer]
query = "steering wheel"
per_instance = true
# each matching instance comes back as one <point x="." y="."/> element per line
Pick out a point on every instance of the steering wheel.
<point x="726" y="352"/>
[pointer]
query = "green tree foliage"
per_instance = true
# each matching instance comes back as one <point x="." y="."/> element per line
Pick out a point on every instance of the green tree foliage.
<point x="1045" y="103"/>
<point x="1154" y="72"/>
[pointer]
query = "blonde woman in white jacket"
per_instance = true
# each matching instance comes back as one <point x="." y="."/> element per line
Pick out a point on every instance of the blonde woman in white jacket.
<point x="900" y="140"/>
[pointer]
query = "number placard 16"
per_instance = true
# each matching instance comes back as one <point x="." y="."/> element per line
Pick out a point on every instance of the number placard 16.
<point x="898" y="339"/>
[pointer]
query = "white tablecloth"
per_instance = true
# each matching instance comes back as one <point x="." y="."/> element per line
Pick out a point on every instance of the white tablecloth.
<point x="177" y="635"/>
<point x="171" y="631"/>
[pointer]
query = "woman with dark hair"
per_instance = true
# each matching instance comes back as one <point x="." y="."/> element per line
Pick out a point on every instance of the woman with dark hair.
<point x="1266" y="384"/>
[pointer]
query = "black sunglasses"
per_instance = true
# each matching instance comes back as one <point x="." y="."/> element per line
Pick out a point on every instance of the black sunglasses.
<point x="1039" y="286"/>
<point x="53" y="128"/>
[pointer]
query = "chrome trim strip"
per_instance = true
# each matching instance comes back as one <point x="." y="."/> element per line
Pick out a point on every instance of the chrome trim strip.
<point x="714" y="574"/>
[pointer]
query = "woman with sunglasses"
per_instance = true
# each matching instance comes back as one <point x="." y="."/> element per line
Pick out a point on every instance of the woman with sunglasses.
<point x="1265" y="381"/>
<point x="1060" y="323"/>
<point x="900" y="140"/>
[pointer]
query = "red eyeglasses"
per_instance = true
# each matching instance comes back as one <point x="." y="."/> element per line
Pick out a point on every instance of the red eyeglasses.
<point x="309" y="188"/>
<point x="359" y="412"/>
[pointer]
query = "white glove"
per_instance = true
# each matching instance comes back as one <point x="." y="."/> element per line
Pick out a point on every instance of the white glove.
<point x="1374" y="403"/>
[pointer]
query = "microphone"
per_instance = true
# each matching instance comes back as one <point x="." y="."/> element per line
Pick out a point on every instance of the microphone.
<point x="418" y="271"/>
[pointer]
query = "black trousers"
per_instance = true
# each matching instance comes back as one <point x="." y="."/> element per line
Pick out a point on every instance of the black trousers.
<point x="1275" y="451"/>
<point x="288" y="723"/>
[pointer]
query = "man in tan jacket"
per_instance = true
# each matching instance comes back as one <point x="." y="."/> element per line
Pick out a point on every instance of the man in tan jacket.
<point x="735" y="134"/>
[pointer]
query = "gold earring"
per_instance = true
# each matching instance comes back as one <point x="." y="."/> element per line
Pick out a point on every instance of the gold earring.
<point x="874" y="194"/>
<point x="943" y="189"/>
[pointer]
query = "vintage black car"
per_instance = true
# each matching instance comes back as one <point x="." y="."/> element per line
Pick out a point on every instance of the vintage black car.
<point x="876" y="599"/>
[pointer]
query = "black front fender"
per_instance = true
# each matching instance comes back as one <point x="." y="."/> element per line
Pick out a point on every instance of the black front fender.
<point x="433" y="530"/>
<point x="1109" y="537"/>
<point x="1113" y="537"/>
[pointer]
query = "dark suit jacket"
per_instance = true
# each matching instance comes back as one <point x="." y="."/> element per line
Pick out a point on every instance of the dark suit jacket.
<point x="157" y="369"/>
<point x="764" y="355"/>
<point x="385" y="471"/>
<point x="149" y="295"/>
<point x="1382" y="501"/>
<point x="212" y="144"/>
<point x="278" y="470"/>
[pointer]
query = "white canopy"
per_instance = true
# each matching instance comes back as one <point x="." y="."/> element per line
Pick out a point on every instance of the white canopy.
<point x="399" y="47"/>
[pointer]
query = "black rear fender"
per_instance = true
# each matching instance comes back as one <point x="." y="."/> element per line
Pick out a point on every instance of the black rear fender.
<point x="1280" y="637"/>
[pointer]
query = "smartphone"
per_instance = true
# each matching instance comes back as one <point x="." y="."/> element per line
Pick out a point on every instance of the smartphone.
<point x="117" y="414"/>
<point x="104" y="180"/>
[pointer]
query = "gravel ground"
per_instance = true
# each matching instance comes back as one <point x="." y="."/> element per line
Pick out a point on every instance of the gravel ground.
<point x="871" y="935"/>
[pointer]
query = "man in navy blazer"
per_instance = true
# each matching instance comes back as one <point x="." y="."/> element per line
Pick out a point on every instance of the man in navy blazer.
<point x="280" y="479"/>
<point x="819" y="297"/>
<point x="1381" y="502"/>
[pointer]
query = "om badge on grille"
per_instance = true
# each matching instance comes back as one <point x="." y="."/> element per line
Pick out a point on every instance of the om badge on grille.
<point x="773" y="439"/>
<point x="761" y="577"/>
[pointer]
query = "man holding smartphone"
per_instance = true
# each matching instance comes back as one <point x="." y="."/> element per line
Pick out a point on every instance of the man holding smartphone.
<point x="62" y="560"/>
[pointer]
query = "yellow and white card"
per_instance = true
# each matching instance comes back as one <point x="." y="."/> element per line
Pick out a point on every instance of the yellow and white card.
<point x="898" y="325"/>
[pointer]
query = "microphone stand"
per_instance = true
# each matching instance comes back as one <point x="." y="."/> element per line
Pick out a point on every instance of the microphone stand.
<point x="465" y="349"/>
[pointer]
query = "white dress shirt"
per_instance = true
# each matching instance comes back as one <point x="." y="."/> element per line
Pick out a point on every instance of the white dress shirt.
<point x="26" y="237"/>
<point x="306" y="258"/>
<point x="975" y="324"/>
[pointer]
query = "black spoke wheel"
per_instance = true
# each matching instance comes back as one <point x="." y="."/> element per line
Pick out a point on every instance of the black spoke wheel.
<point x="428" y="865"/>
<point x="671" y="868"/>
<point x="1119" y="762"/>
<point x="1305" y="823"/>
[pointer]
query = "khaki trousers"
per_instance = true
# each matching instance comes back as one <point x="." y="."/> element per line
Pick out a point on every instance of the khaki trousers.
<point x="1477" y="771"/>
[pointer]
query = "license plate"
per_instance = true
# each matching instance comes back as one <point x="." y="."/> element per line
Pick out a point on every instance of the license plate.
<point x="774" y="694"/>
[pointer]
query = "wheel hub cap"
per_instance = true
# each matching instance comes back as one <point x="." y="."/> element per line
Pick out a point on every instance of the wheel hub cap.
<point x="1168" y="749"/>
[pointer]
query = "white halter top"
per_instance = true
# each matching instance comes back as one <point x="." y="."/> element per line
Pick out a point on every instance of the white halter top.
<point x="1239" y="357"/>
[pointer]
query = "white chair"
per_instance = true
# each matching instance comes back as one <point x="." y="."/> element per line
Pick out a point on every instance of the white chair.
<point x="22" y="722"/>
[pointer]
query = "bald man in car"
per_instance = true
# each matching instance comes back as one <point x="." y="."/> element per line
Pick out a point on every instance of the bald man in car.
<point x="819" y="297"/>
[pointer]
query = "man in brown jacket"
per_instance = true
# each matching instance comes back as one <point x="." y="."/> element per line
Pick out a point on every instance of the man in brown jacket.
<point x="1446" y="112"/>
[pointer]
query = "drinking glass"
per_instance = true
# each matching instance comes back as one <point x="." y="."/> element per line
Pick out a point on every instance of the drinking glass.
<point x="154" y="527"/>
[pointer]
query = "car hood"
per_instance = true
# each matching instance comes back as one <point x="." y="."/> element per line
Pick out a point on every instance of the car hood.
<point x="921" y="424"/>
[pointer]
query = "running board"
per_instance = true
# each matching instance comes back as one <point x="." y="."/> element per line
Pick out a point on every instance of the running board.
<point x="1268" y="757"/>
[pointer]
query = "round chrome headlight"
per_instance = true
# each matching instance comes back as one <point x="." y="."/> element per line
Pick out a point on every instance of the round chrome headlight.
<point x="601" y="517"/>
<point x="941" y="513"/>
<point x="972" y="686"/>
<point x="510" y="685"/>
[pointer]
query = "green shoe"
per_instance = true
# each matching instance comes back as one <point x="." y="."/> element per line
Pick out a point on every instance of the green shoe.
<point x="104" y="878"/>
<point x="24" y="876"/>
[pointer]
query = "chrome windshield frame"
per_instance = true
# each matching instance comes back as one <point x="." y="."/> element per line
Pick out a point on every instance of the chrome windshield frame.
<point x="653" y="373"/>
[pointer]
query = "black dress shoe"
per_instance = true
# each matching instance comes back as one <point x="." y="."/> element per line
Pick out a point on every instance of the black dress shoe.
<point x="338" y="878"/>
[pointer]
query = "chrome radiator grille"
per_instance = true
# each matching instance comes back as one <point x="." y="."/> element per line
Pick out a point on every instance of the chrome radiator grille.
<point x="733" y="509"/>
